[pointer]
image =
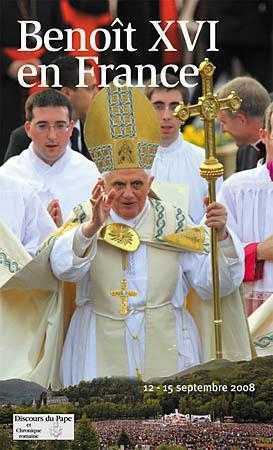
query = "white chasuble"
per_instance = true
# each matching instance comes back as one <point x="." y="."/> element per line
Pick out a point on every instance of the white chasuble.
<point x="159" y="336"/>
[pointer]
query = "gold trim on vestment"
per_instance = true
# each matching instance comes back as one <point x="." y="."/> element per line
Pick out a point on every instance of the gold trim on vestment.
<point x="191" y="239"/>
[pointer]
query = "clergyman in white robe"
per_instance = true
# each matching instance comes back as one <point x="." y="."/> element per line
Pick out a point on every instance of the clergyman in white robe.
<point x="70" y="179"/>
<point x="23" y="214"/>
<point x="248" y="197"/>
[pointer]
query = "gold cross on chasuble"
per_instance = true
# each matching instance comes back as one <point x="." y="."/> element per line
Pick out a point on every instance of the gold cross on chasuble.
<point x="123" y="294"/>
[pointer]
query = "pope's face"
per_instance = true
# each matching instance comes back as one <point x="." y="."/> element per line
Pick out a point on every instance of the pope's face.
<point x="132" y="187"/>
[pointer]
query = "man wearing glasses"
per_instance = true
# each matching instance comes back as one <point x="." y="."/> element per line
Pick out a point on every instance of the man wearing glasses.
<point x="177" y="161"/>
<point x="80" y="97"/>
<point x="60" y="176"/>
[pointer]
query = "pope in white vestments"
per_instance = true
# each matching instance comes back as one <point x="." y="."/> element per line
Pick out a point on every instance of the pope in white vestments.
<point x="164" y="274"/>
<point x="153" y="334"/>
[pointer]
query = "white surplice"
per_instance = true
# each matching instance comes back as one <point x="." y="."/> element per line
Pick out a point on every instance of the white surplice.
<point x="70" y="179"/>
<point x="180" y="163"/>
<point x="248" y="196"/>
<point x="79" y="353"/>
<point x="23" y="214"/>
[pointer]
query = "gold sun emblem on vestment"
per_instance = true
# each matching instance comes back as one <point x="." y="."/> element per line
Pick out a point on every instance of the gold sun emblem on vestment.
<point x="121" y="236"/>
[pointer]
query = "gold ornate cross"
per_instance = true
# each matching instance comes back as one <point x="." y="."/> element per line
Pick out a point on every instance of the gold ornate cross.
<point x="124" y="295"/>
<point x="207" y="108"/>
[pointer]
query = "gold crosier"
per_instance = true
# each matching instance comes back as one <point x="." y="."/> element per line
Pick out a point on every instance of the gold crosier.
<point x="207" y="108"/>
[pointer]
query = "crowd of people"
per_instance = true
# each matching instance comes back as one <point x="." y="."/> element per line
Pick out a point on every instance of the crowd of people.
<point x="207" y="436"/>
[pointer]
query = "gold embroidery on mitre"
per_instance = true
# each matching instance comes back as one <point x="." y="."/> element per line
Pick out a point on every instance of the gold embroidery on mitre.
<point x="125" y="154"/>
<point x="121" y="236"/>
<point x="192" y="239"/>
<point x="122" y="130"/>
